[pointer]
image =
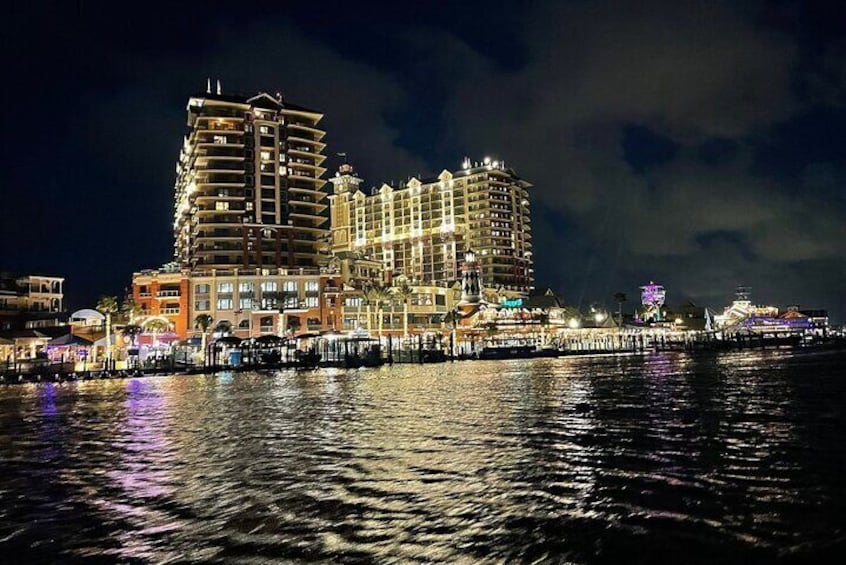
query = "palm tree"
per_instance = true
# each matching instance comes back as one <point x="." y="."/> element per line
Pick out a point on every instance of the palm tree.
<point x="380" y="295"/>
<point x="294" y="324"/>
<point x="370" y="295"/>
<point x="203" y="322"/>
<point x="108" y="305"/>
<point x="223" y="327"/>
<point x="404" y="292"/>
<point x="619" y="298"/>
<point x="129" y="310"/>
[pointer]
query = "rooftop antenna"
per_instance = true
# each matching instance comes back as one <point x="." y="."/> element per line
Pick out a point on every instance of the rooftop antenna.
<point x="218" y="87"/>
<point x="208" y="85"/>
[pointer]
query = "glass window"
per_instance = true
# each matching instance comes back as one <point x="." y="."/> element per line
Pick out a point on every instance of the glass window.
<point x="202" y="305"/>
<point x="221" y="205"/>
<point x="268" y="303"/>
<point x="269" y="286"/>
<point x="353" y="301"/>
<point x="245" y="288"/>
<point x="289" y="286"/>
<point x="246" y="304"/>
<point x="224" y="304"/>
<point x="202" y="289"/>
<point x="224" y="288"/>
<point x="292" y="302"/>
<point x="220" y="139"/>
<point x="311" y="286"/>
<point x="311" y="302"/>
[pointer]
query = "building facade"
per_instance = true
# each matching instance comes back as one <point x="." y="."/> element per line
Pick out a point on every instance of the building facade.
<point x="163" y="294"/>
<point x="422" y="228"/>
<point x="249" y="189"/>
<point x="258" y="302"/>
<point x="31" y="301"/>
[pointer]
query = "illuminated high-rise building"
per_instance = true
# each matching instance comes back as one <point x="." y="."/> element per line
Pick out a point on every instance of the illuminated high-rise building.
<point x="422" y="228"/>
<point x="249" y="186"/>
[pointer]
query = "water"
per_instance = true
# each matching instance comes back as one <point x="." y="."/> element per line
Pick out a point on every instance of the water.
<point x="669" y="458"/>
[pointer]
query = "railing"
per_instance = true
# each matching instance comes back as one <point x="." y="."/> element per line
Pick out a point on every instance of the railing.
<point x="163" y="293"/>
<point x="170" y="311"/>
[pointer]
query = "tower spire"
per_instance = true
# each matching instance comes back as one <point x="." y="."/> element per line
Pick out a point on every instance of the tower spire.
<point x="218" y="87"/>
<point x="208" y="85"/>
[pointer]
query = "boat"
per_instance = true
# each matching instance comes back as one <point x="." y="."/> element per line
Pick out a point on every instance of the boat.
<point x="306" y="359"/>
<point x="516" y="352"/>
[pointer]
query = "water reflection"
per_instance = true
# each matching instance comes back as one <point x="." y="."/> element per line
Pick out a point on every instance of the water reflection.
<point x="660" y="458"/>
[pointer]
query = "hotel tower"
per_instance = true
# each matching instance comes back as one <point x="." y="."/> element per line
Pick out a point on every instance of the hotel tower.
<point x="422" y="228"/>
<point x="249" y="192"/>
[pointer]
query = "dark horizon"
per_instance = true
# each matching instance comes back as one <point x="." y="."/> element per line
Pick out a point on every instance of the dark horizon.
<point x="697" y="145"/>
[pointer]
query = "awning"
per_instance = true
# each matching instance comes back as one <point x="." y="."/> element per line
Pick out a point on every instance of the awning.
<point x="69" y="340"/>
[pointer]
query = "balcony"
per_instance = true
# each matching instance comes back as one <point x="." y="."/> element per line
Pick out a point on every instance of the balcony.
<point x="167" y="293"/>
<point x="170" y="311"/>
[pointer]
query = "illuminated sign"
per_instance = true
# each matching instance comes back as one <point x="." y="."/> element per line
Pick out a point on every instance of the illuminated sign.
<point x="512" y="303"/>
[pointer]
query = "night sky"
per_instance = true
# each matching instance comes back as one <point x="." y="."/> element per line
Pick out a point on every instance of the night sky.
<point x="698" y="144"/>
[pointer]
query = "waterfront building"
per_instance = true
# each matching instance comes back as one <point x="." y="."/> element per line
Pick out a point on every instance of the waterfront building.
<point x="31" y="301"/>
<point x="256" y="302"/>
<point x="421" y="228"/>
<point x="249" y="190"/>
<point x="742" y="309"/>
<point x="162" y="296"/>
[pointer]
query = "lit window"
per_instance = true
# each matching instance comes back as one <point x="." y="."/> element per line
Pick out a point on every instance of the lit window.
<point x="246" y="303"/>
<point x="221" y="206"/>
<point x="224" y="288"/>
<point x="311" y="302"/>
<point x="224" y="304"/>
<point x="245" y="288"/>
<point x="269" y="286"/>
<point x="266" y="156"/>
<point x="220" y="139"/>
<point x="290" y="286"/>
<point x="265" y="130"/>
<point x="311" y="286"/>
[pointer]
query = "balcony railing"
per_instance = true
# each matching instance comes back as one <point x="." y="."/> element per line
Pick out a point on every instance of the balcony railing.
<point x="163" y="293"/>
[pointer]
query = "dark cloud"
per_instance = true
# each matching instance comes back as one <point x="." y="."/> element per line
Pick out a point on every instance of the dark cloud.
<point x="642" y="126"/>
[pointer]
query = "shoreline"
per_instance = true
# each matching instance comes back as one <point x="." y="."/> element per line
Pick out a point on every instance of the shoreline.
<point x="12" y="378"/>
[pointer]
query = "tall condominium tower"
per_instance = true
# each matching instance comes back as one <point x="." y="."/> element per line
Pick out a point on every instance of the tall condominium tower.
<point x="249" y="191"/>
<point x="423" y="228"/>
